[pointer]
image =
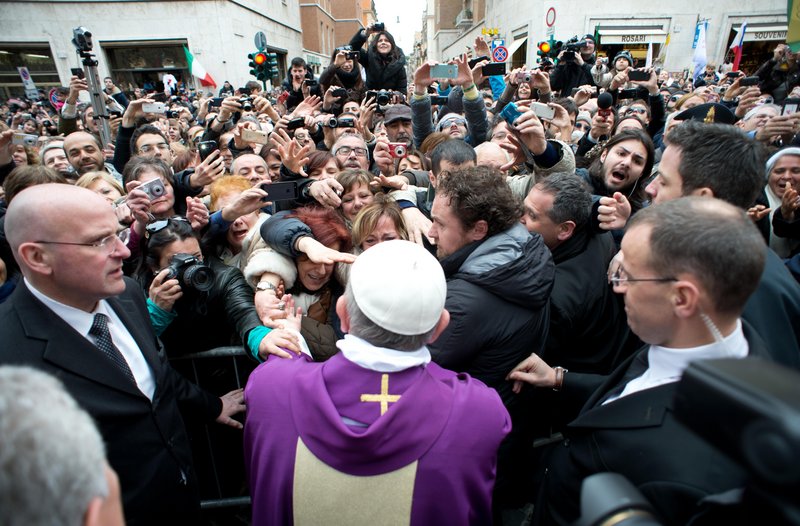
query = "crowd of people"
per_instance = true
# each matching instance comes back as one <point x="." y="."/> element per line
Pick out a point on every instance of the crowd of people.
<point x="429" y="276"/>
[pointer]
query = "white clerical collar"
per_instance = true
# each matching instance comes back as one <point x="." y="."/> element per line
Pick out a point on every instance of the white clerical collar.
<point x="666" y="364"/>
<point x="381" y="359"/>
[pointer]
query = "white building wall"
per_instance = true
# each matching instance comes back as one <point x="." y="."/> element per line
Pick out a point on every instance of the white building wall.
<point x="219" y="33"/>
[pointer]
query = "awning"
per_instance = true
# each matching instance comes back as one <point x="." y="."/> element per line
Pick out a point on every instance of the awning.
<point x="515" y="45"/>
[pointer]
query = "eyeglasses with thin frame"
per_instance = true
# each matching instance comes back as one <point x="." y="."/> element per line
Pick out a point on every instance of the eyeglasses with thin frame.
<point x="631" y="111"/>
<point x="618" y="276"/>
<point x="346" y="150"/>
<point x="109" y="243"/>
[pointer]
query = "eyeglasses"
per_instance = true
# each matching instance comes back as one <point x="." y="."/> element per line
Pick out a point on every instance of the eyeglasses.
<point x="109" y="243"/>
<point x="347" y="150"/>
<point x="583" y="126"/>
<point x="161" y="224"/>
<point x="151" y="147"/>
<point x="618" y="276"/>
<point x="631" y="111"/>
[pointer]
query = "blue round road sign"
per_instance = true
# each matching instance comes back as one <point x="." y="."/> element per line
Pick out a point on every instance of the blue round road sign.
<point x="500" y="54"/>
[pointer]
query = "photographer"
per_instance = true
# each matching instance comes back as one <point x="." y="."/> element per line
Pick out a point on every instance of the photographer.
<point x="295" y="83"/>
<point x="384" y="62"/>
<point x="211" y="306"/>
<point x="571" y="71"/>
<point x="473" y="125"/>
<point x="779" y="74"/>
<point x="343" y="72"/>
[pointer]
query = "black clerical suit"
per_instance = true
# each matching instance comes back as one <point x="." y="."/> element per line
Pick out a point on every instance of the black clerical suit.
<point x="146" y="441"/>
<point x="639" y="437"/>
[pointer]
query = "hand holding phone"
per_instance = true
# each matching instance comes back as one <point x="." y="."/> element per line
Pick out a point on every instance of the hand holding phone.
<point x="444" y="71"/>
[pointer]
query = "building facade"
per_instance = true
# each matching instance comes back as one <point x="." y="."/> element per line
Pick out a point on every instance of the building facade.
<point x="137" y="43"/>
<point x="626" y="24"/>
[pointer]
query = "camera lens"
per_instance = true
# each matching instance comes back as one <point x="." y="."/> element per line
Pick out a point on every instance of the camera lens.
<point x="382" y="99"/>
<point x="199" y="277"/>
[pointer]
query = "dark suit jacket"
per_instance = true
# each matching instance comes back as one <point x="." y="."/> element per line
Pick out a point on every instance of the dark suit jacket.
<point x="639" y="437"/>
<point x="146" y="441"/>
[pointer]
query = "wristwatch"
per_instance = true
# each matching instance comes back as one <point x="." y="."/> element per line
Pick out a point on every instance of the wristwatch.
<point x="265" y="285"/>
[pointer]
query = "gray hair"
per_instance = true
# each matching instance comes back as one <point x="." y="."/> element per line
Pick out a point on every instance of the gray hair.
<point x="364" y="328"/>
<point x="52" y="455"/>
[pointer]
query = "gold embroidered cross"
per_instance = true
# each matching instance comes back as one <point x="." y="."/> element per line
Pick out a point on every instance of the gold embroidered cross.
<point x="384" y="397"/>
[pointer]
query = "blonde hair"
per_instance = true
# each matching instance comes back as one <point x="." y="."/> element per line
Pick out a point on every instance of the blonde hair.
<point x="226" y="185"/>
<point x="89" y="178"/>
<point x="368" y="217"/>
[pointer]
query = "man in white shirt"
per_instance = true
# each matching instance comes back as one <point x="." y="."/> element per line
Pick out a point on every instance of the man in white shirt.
<point x="686" y="269"/>
<point x="76" y="316"/>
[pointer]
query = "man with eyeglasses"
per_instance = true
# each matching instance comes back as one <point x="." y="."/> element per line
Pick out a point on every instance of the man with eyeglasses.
<point x="76" y="316"/>
<point x="695" y="163"/>
<point x="684" y="309"/>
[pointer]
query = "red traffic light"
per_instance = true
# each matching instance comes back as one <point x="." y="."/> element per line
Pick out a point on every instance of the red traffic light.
<point x="260" y="58"/>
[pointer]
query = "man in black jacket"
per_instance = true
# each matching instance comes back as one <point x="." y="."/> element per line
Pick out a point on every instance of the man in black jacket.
<point x="77" y="317"/>
<point x="499" y="279"/>
<point x="695" y="163"/>
<point x="685" y="309"/>
<point x="588" y="329"/>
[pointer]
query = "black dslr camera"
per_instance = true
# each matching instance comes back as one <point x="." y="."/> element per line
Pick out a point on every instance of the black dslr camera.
<point x="382" y="97"/>
<point x="247" y="103"/>
<point x="190" y="272"/>
<point x="571" y="47"/>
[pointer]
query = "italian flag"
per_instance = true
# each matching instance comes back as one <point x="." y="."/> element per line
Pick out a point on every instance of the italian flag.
<point x="198" y="70"/>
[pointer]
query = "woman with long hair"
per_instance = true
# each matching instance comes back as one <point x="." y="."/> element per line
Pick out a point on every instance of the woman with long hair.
<point x="384" y="62"/>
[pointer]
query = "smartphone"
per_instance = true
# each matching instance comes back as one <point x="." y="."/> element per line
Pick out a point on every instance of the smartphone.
<point x="339" y="93"/>
<point x="25" y="139"/>
<point x="790" y="106"/>
<point x="310" y="82"/>
<point x="510" y="113"/>
<point x="283" y="97"/>
<point x="444" y="71"/>
<point x="154" y="107"/>
<point x="351" y="55"/>
<point x="476" y="60"/>
<point x="749" y="81"/>
<point x="216" y="102"/>
<point x="294" y="124"/>
<point x="574" y="92"/>
<point x="438" y="100"/>
<point x="346" y="123"/>
<point x="78" y="72"/>
<point x="631" y="93"/>
<point x="495" y="68"/>
<point x="280" y="191"/>
<point x="543" y="111"/>
<point x="154" y="189"/>
<point x="206" y="148"/>
<point x="257" y="137"/>
<point x="732" y="74"/>
<point x="638" y="75"/>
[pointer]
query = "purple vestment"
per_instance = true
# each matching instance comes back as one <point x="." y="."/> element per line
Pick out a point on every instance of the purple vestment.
<point x="445" y="427"/>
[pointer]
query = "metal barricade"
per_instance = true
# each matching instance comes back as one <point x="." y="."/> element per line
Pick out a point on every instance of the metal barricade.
<point x="215" y="447"/>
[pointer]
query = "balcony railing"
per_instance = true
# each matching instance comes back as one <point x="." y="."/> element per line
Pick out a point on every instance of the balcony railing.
<point x="464" y="19"/>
